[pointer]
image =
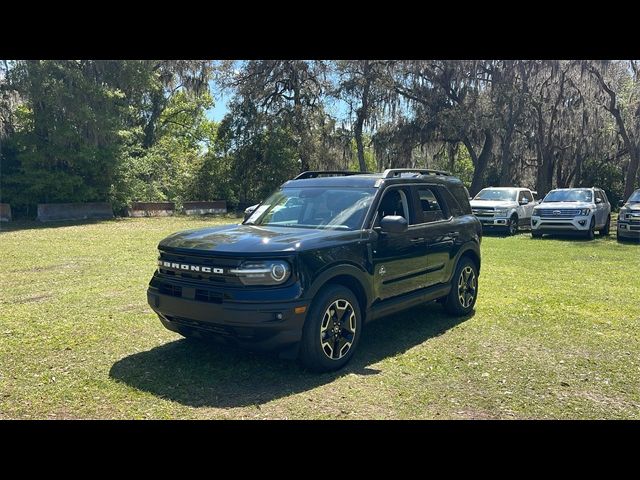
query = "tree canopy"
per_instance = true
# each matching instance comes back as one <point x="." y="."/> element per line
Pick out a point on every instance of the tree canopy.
<point x="126" y="130"/>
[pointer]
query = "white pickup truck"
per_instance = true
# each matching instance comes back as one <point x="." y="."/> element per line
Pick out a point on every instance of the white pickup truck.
<point x="505" y="208"/>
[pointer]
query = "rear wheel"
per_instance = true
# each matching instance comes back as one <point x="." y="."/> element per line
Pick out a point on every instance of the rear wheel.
<point x="607" y="227"/>
<point x="513" y="224"/>
<point x="332" y="330"/>
<point x="464" y="288"/>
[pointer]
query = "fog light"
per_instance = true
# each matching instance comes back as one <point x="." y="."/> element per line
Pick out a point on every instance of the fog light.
<point x="534" y="222"/>
<point x="582" y="222"/>
<point x="279" y="316"/>
<point x="622" y="227"/>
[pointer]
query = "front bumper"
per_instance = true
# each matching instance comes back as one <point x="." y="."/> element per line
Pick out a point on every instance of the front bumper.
<point x="548" y="224"/>
<point x="629" y="230"/>
<point x="494" y="222"/>
<point x="259" y="326"/>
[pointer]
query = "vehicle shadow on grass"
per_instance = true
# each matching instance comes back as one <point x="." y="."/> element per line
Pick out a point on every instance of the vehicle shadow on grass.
<point x="201" y="374"/>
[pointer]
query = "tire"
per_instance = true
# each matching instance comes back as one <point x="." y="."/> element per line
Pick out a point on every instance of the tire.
<point x="513" y="225"/>
<point x="322" y="348"/>
<point x="591" y="233"/>
<point x="463" y="283"/>
<point x="535" y="234"/>
<point x="607" y="227"/>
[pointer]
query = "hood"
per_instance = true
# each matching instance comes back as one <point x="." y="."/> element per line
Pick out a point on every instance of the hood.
<point x="493" y="203"/>
<point x="243" y="239"/>
<point x="565" y="205"/>
<point x="632" y="206"/>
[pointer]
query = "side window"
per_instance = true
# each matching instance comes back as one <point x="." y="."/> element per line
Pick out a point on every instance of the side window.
<point x="453" y="205"/>
<point x="461" y="194"/>
<point x="598" y="195"/>
<point x="396" y="201"/>
<point x="432" y="210"/>
<point x="528" y="196"/>
<point x="521" y="196"/>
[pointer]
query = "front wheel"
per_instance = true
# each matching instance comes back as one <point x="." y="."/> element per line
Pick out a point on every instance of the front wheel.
<point x="513" y="225"/>
<point x="591" y="233"/>
<point x="332" y="330"/>
<point x="464" y="288"/>
<point x="535" y="234"/>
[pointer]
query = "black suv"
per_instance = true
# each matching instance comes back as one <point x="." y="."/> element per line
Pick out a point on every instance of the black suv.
<point x="322" y="256"/>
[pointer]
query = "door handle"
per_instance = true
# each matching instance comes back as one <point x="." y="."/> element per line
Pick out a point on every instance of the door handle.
<point x="417" y="240"/>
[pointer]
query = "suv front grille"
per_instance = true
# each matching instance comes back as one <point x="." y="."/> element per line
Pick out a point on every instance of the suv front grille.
<point x="483" y="211"/>
<point x="173" y="290"/>
<point x="208" y="296"/>
<point x="562" y="213"/>
<point x="223" y="263"/>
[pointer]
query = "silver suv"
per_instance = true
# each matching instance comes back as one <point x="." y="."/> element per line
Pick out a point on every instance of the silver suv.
<point x="504" y="207"/>
<point x="564" y="210"/>
<point x="629" y="217"/>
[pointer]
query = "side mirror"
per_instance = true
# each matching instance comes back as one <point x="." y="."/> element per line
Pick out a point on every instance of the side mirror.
<point x="621" y="203"/>
<point x="598" y="200"/>
<point x="393" y="224"/>
<point x="524" y="201"/>
<point x="249" y="210"/>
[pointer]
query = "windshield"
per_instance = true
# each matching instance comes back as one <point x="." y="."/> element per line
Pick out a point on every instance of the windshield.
<point x="315" y="207"/>
<point x="495" y="194"/>
<point x="635" y="197"/>
<point x="569" y="196"/>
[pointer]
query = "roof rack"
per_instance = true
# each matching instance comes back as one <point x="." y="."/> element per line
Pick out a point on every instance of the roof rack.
<point x="396" y="172"/>
<point x="335" y="173"/>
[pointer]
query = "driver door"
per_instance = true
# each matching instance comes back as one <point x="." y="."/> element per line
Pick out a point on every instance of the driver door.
<point x="399" y="259"/>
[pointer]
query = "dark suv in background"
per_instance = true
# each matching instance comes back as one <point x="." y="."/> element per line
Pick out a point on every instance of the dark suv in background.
<point x="629" y="217"/>
<point x="322" y="256"/>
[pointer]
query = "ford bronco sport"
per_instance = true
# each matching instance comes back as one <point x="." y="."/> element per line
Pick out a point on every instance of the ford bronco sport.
<point x="322" y="256"/>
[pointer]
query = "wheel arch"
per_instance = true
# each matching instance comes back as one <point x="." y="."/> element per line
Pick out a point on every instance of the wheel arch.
<point x="473" y="254"/>
<point x="348" y="276"/>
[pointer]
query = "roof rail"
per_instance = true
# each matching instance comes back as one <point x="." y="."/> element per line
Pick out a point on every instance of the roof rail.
<point x="335" y="173"/>
<point x="396" y="172"/>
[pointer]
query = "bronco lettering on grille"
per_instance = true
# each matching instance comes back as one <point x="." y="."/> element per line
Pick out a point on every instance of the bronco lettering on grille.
<point x="189" y="268"/>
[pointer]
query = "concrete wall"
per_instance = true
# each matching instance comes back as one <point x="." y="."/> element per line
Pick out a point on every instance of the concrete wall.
<point x="151" y="209"/>
<point x="5" y="212"/>
<point x="202" y="208"/>
<point x="50" y="212"/>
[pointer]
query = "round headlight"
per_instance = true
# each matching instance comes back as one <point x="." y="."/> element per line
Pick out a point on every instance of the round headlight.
<point x="279" y="272"/>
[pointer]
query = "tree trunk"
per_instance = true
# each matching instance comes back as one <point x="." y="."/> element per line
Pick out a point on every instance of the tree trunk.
<point x="479" y="161"/>
<point x="632" y="172"/>
<point x="545" y="173"/>
<point x="357" y="133"/>
<point x="506" y="176"/>
<point x="361" y="116"/>
<point x="150" y="128"/>
<point x="452" y="153"/>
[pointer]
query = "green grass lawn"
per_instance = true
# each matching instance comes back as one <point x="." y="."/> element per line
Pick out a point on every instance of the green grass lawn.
<point x="556" y="334"/>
